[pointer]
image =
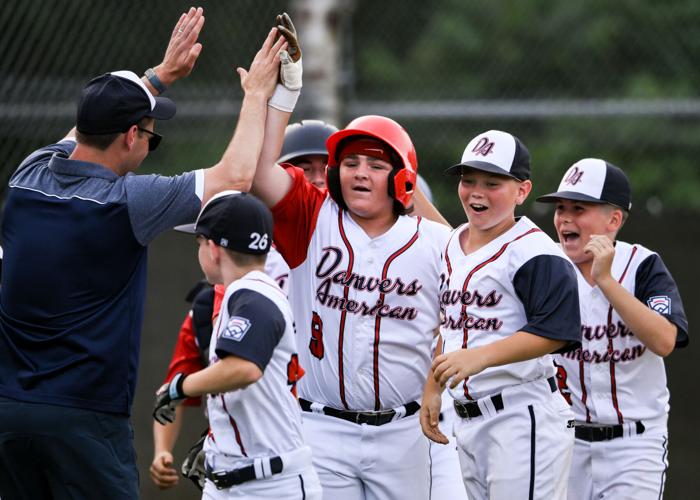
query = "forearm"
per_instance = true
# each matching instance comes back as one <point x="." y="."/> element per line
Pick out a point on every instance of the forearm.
<point x="521" y="346"/>
<point x="431" y="387"/>
<point x="271" y="182"/>
<point x="165" y="436"/>
<point x="653" y="330"/>
<point x="228" y="374"/>
<point x="236" y="168"/>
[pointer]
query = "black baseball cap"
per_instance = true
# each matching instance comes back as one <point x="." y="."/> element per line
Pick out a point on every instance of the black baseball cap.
<point x="595" y="181"/>
<point x="496" y="152"/>
<point x="234" y="220"/>
<point x="113" y="102"/>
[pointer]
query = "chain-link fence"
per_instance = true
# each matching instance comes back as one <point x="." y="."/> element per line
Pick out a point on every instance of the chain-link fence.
<point x="615" y="80"/>
<point x="593" y="78"/>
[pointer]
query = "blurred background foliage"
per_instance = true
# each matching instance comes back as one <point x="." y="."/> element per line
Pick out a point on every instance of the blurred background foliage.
<point x="592" y="78"/>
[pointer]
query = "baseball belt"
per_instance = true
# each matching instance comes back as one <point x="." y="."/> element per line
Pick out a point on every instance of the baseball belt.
<point x="595" y="433"/>
<point x="362" y="417"/>
<point x="471" y="409"/>
<point x="226" y="479"/>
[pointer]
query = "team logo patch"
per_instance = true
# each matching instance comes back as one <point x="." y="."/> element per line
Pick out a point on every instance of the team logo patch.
<point x="660" y="303"/>
<point x="236" y="328"/>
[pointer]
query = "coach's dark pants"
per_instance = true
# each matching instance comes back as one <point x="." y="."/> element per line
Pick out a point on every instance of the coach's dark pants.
<point x="54" y="452"/>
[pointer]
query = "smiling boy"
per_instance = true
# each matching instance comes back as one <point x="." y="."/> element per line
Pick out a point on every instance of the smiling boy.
<point x="632" y="316"/>
<point x="364" y="287"/>
<point x="509" y="300"/>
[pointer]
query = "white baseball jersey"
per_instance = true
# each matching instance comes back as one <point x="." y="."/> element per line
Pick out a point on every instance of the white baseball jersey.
<point x="262" y="420"/>
<point x="520" y="281"/>
<point x="613" y="377"/>
<point x="365" y="308"/>
<point x="277" y="268"/>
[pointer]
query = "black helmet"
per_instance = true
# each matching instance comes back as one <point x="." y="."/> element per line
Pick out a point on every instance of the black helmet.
<point x="305" y="138"/>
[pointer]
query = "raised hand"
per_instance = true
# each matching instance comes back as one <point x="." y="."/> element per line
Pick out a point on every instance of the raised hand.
<point x="183" y="48"/>
<point x="603" y="252"/>
<point x="262" y="75"/>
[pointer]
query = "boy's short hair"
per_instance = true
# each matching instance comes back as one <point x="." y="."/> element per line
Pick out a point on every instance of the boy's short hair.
<point x="246" y="259"/>
<point x="594" y="181"/>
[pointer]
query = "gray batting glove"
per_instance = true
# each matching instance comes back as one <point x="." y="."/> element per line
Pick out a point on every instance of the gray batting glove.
<point x="193" y="466"/>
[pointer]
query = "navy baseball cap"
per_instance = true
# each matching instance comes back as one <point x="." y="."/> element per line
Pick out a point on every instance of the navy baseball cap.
<point x="595" y="181"/>
<point x="113" y="102"/>
<point x="496" y="152"/>
<point x="234" y="220"/>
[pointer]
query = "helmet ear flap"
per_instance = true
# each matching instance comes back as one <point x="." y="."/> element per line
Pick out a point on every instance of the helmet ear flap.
<point x="401" y="186"/>
<point x="333" y="185"/>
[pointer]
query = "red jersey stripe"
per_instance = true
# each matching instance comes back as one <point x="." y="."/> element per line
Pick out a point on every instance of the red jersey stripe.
<point x="343" y="314"/>
<point x="613" y="383"/>
<point x="378" y="319"/>
<point x="235" y="427"/>
<point x="584" y="394"/>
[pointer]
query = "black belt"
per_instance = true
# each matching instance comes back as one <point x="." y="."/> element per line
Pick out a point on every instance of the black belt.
<point x="471" y="409"/>
<point x="224" y="480"/>
<point x="595" y="433"/>
<point x="363" y="417"/>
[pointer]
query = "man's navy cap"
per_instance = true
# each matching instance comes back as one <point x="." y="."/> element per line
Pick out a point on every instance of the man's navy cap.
<point x="234" y="220"/>
<point x="496" y="152"/>
<point x="595" y="181"/>
<point x="113" y="102"/>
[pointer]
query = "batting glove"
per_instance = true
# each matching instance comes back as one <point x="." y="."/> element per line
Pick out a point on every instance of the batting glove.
<point x="167" y="398"/>
<point x="290" y="69"/>
<point x="193" y="466"/>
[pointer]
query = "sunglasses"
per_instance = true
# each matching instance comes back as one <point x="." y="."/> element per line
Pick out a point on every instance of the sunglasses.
<point x="153" y="138"/>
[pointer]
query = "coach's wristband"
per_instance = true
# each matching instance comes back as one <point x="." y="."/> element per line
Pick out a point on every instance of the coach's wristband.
<point x="155" y="81"/>
<point x="283" y="98"/>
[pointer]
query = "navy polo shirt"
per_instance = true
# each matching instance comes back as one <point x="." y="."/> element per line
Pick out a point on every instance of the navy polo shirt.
<point x="75" y="236"/>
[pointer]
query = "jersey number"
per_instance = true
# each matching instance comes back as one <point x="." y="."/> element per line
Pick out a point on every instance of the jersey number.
<point x="294" y="373"/>
<point x="316" y="343"/>
<point x="258" y="242"/>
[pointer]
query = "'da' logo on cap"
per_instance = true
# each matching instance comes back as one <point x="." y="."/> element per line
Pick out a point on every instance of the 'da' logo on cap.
<point x="483" y="147"/>
<point x="574" y="176"/>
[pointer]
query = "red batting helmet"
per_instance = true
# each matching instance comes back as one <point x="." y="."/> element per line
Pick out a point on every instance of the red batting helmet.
<point x="402" y="179"/>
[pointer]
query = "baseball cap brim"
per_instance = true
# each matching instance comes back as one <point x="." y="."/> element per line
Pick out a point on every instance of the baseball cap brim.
<point x="186" y="228"/>
<point x="478" y="165"/>
<point x="567" y="195"/>
<point x="163" y="110"/>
